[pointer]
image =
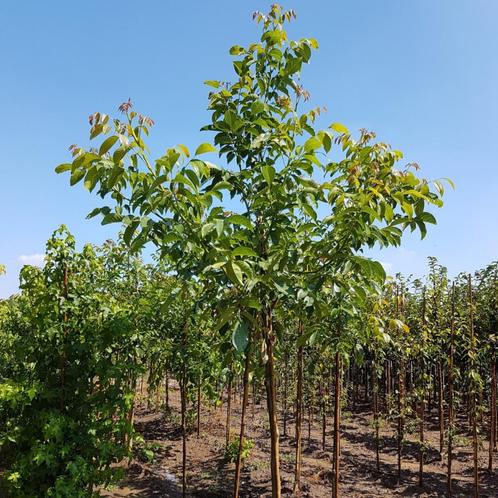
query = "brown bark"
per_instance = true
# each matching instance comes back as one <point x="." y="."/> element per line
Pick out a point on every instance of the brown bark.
<point x="166" y="388"/>
<point x="286" y="386"/>
<point x="199" y="407"/>
<point x="422" y="442"/>
<point x="183" y="400"/>
<point x="299" y="413"/>
<point x="492" y="417"/>
<point x="337" y="417"/>
<point x="401" y="418"/>
<point x="245" y="396"/>
<point x="271" y="399"/>
<point x="450" y="393"/>
<point x="388" y="385"/>
<point x="229" y="408"/>
<point x="440" y="409"/>
<point x="324" y="415"/>
<point x="473" y="397"/>
<point x="375" y="385"/>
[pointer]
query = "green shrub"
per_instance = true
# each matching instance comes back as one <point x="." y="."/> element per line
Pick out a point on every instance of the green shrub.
<point x="232" y="449"/>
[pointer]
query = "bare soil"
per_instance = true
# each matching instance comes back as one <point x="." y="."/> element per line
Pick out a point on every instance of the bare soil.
<point x="209" y="476"/>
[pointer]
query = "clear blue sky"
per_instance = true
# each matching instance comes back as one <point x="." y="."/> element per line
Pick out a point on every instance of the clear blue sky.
<point x="423" y="74"/>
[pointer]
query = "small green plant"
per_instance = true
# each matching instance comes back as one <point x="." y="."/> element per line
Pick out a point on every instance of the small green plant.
<point x="145" y="451"/>
<point x="232" y="449"/>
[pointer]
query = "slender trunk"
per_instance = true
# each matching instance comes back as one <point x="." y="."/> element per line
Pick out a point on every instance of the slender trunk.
<point x="450" y="393"/>
<point x="271" y="399"/>
<point x="183" y="400"/>
<point x="65" y="293"/>
<point x="401" y="420"/>
<point x="229" y="408"/>
<point x="253" y="399"/>
<point x="353" y="377"/>
<point x="440" y="409"/>
<point x="286" y="382"/>
<point x="324" y="416"/>
<point x="388" y="386"/>
<point x="422" y="398"/>
<point x="375" y="385"/>
<point x="299" y="413"/>
<point x="245" y="396"/>
<point x="166" y="388"/>
<point x="492" y="415"/>
<point x="310" y="417"/>
<point x="365" y="385"/>
<point x="473" y="393"/>
<point x="422" y="442"/>
<point x="337" y="416"/>
<point x="199" y="407"/>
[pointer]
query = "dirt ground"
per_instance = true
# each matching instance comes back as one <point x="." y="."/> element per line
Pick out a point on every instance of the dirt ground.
<point x="209" y="476"/>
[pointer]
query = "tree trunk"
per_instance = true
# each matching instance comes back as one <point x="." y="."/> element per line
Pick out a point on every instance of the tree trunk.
<point x="166" y="388"/>
<point x="473" y="397"/>
<point x="199" y="407"/>
<point x="183" y="400"/>
<point x="229" y="408"/>
<point x="450" y="392"/>
<point x="375" y="385"/>
<point x="440" y="409"/>
<point x="286" y="382"/>
<point x="401" y="421"/>
<point x="271" y="399"/>
<point x="253" y="408"/>
<point x="299" y="413"/>
<point x="310" y="418"/>
<point x="337" y="419"/>
<point x="422" y="441"/>
<point x="324" y="414"/>
<point x="388" y="386"/>
<point x="245" y="396"/>
<point x="492" y="415"/>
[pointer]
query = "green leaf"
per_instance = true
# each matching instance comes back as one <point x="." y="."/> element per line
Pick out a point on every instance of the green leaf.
<point x="240" y="336"/>
<point x="244" y="251"/>
<point x="220" y="225"/>
<point x="63" y="167"/>
<point x="236" y="50"/>
<point x="268" y="173"/>
<point x="207" y="228"/>
<point x="428" y="218"/>
<point x="339" y="128"/>
<point x="238" y="219"/>
<point x="213" y="83"/>
<point x="205" y="148"/>
<point x="309" y="211"/>
<point x="107" y="144"/>
<point x="76" y="176"/>
<point x="184" y="149"/>
<point x="378" y="270"/>
<point x="234" y="273"/>
<point x="222" y="185"/>
<point x="312" y="144"/>
<point x="251" y="302"/>
<point x="192" y="176"/>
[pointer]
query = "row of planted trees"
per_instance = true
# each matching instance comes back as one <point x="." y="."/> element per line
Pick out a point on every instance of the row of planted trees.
<point x="259" y="260"/>
<point x="89" y="325"/>
<point x="421" y="352"/>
